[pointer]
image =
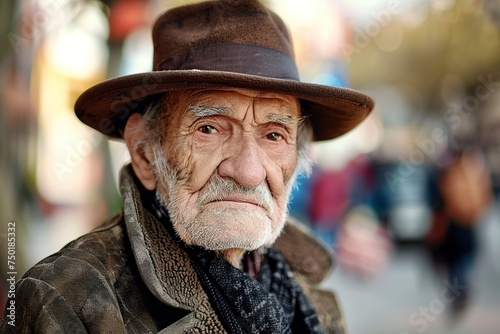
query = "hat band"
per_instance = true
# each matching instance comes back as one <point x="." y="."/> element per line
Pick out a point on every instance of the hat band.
<point x="239" y="58"/>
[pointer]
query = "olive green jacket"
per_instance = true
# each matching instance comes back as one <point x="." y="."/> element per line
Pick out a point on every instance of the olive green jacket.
<point x="130" y="276"/>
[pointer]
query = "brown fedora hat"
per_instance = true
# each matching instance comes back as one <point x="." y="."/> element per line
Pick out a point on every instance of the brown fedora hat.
<point x="237" y="43"/>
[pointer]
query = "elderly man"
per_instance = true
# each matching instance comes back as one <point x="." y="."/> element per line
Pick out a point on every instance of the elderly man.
<point x="217" y="133"/>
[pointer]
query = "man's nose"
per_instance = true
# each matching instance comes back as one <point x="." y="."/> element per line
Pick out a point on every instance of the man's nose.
<point x="243" y="162"/>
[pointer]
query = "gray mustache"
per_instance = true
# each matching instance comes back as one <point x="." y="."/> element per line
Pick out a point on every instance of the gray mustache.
<point x="218" y="188"/>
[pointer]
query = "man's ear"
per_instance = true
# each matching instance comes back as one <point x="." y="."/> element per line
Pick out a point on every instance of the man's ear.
<point x="141" y="157"/>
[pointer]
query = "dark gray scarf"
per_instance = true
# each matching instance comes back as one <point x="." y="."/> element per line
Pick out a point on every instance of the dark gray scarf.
<point x="271" y="303"/>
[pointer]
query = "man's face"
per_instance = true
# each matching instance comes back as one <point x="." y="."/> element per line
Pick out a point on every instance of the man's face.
<point x="229" y="164"/>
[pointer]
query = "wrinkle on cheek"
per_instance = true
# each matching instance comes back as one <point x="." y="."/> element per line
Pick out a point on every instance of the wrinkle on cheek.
<point x="284" y="163"/>
<point x="181" y="158"/>
<point x="279" y="177"/>
<point x="288" y="170"/>
<point x="208" y="146"/>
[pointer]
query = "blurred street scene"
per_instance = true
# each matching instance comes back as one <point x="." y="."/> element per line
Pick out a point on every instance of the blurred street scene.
<point x="409" y="201"/>
<point x="410" y="297"/>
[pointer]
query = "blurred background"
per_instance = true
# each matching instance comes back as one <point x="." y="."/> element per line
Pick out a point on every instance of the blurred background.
<point x="408" y="201"/>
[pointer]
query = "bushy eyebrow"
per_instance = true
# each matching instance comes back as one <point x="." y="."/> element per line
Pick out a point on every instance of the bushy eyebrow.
<point x="206" y="111"/>
<point x="285" y="120"/>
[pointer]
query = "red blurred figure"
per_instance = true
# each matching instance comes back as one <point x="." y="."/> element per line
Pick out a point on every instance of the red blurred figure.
<point x="464" y="191"/>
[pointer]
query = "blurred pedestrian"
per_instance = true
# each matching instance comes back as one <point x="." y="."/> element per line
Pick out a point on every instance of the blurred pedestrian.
<point x="464" y="194"/>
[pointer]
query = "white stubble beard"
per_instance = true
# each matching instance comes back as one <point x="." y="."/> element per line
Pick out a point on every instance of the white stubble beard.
<point x="210" y="227"/>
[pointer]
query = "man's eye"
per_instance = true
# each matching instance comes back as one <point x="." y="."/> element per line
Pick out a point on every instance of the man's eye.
<point x="274" y="136"/>
<point x="208" y="129"/>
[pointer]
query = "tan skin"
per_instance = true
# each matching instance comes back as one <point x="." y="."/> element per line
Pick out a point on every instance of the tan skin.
<point x="241" y="134"/>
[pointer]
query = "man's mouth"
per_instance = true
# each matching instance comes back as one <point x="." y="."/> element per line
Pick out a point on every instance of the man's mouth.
<point x="240" y="199"/>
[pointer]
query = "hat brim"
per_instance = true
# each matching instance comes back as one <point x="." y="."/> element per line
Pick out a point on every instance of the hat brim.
<point x="107" y="105"/>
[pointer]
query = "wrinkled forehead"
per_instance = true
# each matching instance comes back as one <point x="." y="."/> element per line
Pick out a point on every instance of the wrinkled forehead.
<point x="234" y="101"/>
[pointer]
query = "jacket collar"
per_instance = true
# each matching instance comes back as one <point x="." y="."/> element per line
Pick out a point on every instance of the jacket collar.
<point x="152" y="245"/>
